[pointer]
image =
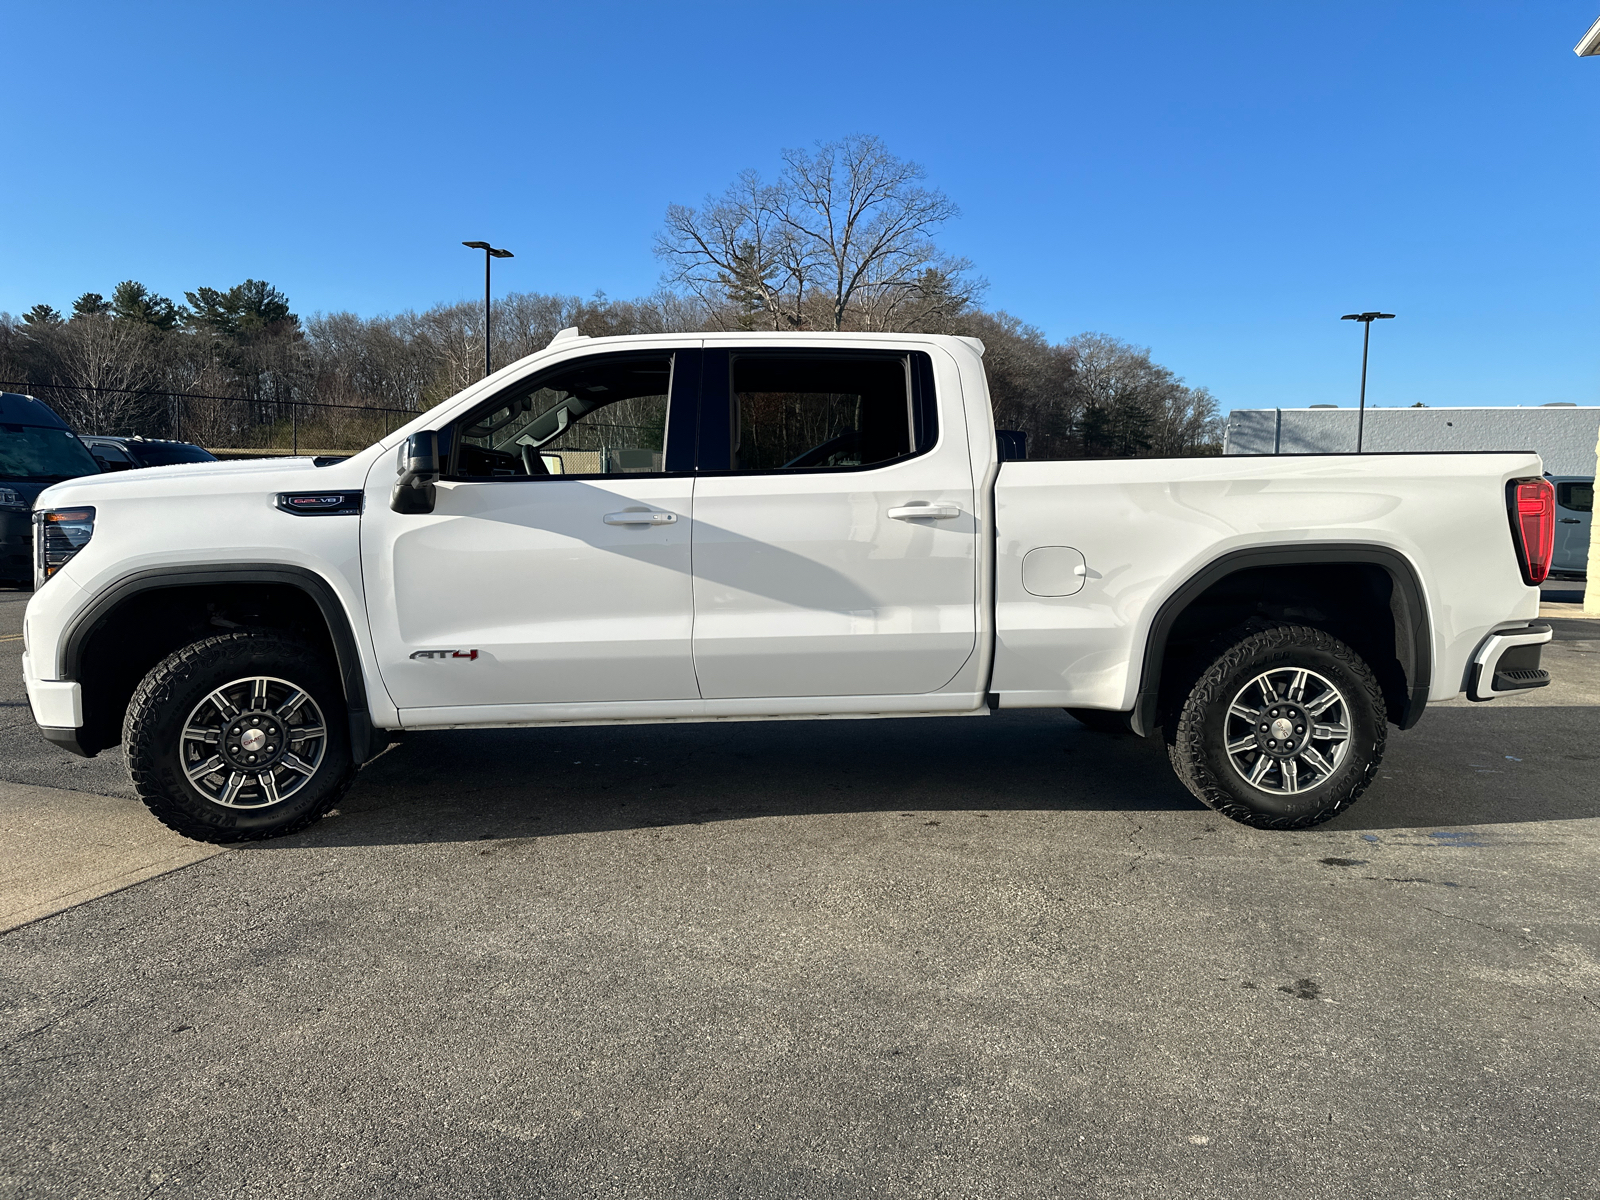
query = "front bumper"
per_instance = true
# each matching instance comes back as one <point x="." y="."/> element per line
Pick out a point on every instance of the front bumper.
<point x="57" y="706"/>
<point x="1507" y="662"/>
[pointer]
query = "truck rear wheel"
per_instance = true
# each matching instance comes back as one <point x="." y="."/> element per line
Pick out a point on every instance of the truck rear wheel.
<point x="239" y="737"/>
<point x="1284" y="730"/>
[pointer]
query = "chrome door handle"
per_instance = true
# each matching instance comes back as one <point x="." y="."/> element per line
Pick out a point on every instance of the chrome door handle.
<point x="1571" y="521"/>
<point x="913" y="512"/>
<point x="640" y="518"/>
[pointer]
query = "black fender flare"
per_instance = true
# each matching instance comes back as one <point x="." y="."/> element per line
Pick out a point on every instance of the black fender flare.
<point x="365" y="739"/>
<point x="1413" y="635"/>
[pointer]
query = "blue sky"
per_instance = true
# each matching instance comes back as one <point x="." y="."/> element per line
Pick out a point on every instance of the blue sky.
<point x="1218" y="182"/>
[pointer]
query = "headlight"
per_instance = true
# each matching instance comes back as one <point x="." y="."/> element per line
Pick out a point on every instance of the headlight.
<point x="58" y="534"/>
<point x="11" y="500"/>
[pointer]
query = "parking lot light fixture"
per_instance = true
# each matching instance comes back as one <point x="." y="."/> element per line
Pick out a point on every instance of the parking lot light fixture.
<point x="1366" y="319"/>
<point x="489" y="253"/>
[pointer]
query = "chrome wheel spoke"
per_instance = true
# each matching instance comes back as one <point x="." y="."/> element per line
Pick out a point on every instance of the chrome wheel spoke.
<point x="1323" y="702"/>
<point x="292" y="705"/>
<point x="196" y="734"/>
<point x="1269" y="695"/>
<point x="1240" y="745"/>
<point x="1291" y="775"/>
<point x="258" y="694"/>
<point x="1241" y="711"/>
<point x="1329" y="733"/>
<point x="223" y="705"/>
<point x="269" y="787"/>
<point x="1263" y="764"/>
<point x="230" y="793"/>
<point x="1314" y="757"/>
<point x="202" y="769"/>
<point x="295" y="763"/>
<point x="302" y="732"/>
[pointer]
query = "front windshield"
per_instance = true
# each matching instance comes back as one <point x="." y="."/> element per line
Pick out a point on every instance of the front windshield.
<point x="34" y="452"/>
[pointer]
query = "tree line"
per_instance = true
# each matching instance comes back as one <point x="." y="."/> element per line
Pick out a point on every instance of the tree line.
<point x="842" y="240"/>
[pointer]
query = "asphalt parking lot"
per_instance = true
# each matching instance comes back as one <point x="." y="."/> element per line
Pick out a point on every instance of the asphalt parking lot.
<point x="969" y="957"/>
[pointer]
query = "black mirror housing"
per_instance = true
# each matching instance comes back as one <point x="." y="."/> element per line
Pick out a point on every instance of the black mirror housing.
<point x="419" y="467"/>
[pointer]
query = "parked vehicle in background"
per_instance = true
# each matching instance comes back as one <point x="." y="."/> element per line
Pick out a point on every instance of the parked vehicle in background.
<point x="36" y="450"/>
<point x="747" y="526"/>
<point x="128" y="453"/>
<point x="1574" y="512"/>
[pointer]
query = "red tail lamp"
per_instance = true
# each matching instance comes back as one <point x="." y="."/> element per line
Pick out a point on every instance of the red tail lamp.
<point x="1532" y="504"/>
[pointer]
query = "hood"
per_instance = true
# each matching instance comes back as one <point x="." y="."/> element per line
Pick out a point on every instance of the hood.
<point x="29" y="489"/>
<point x="225" y="477"/>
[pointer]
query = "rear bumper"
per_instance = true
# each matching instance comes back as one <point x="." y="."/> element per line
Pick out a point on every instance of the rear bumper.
<point x="1507" y="662"/>
<point x="57" y="706"/>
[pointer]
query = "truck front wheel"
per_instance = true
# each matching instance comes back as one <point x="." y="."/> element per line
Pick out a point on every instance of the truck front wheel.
<point x="239" y="737"/>
<point x="1283" y="731"/>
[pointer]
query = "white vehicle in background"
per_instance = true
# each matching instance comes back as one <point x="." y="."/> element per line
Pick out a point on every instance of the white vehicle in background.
<point x="749" y="527"/>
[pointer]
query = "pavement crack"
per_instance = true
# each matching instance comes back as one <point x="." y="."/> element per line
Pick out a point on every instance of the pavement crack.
<point x="77" y="1008"/>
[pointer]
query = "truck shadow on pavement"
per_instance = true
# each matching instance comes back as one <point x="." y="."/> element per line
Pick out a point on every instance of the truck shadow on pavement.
<point x="1460" y="767"/>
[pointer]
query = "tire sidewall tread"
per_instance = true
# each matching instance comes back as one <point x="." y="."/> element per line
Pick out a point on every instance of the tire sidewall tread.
<point x="1200" y="759"/>
<point x="167" y="695"/>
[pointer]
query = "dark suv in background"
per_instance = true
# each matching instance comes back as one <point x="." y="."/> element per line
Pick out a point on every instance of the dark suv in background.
<point x="36" y="450"/>
<point x="127" y="453"/>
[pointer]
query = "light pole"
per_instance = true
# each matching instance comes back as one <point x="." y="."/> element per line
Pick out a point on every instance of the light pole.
<point x="1366" y="320"/>
<point x="489" y="252"/>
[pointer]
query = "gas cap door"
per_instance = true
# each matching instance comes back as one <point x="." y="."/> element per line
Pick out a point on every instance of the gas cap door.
<point x="1053" y="571"/>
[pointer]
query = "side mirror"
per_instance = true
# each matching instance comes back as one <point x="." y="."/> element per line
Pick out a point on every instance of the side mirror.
<point x="419" y="468"/>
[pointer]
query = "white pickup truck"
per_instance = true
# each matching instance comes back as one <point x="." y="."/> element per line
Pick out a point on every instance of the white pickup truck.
<point x="759" y="527"/>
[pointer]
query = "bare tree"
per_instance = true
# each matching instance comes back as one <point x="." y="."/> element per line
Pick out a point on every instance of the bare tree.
<point x="842" y="240"/>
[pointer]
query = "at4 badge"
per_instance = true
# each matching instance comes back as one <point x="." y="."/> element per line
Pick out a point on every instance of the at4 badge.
<point x="468" y="654"/>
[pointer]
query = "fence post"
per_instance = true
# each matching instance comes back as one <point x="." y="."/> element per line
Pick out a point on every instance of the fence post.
<point x="294" y="420"/>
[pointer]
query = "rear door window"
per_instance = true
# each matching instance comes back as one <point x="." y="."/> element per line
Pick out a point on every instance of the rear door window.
<point x="820" y="411"/>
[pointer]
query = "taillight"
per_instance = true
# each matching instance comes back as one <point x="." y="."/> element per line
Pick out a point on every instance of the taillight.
<point x="58" y="534"/>
<point x="1532" y="503"/>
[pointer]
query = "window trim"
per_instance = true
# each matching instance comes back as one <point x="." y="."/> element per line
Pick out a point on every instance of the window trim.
<point x="683" y="386"/>
<point x="714" y="453"/>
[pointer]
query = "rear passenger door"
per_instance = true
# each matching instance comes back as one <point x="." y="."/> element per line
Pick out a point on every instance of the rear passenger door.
<point x="835" y="536"/>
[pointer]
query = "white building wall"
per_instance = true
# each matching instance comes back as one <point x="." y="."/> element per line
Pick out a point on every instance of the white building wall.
<point x="1564" y="437"/>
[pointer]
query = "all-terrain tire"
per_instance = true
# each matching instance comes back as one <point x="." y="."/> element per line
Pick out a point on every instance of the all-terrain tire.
<point x="1263" y="661"/>
<point x="163" y="756"/>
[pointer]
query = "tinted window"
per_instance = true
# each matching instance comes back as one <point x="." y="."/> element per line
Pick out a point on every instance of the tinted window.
<point x="605" y="416"/>
<point x="819" y="411"/>
<point x="109" y="455"/>
<point x="33" y="452"/>
<point x="1579" y="497"/>
<point x="161" y="455"/>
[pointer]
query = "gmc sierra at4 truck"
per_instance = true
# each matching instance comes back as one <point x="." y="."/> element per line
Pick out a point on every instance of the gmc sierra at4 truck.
<point x="755" y="527"/>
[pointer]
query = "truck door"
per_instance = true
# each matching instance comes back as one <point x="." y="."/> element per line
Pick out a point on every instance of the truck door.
<point x="835" y="537"/>
<point x="555" y="565"/>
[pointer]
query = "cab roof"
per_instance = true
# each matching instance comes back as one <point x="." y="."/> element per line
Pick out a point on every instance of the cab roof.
<point x="17" y="409"/>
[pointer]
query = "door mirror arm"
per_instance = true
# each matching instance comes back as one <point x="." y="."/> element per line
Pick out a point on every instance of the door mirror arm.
<point x="419" y="469"/>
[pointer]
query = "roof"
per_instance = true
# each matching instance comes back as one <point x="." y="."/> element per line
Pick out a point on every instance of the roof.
<point x="17" y="409"/>
<point x="1589" y="44"/>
